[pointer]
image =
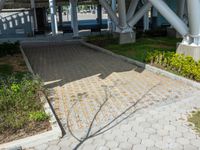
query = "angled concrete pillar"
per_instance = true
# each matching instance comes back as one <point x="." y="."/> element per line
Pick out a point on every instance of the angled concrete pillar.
<point x="74" y="18"/>
<point x="139" y="14"/>
<point x="170" y="16"/>
<point x="54" y="26"/>
<point x="110" y="12"/>
<point x="34" y="15"/>
<point x="131" y="9"/>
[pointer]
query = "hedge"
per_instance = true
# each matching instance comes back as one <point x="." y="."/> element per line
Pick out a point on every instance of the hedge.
<point x="178" y="63"/>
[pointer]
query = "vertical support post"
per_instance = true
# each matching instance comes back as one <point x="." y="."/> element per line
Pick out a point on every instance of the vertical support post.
<point x="60" y="15"/>
<point x="2" y="2"/>
<point x="146" y="21"/>
<point x="54" y="26"/>
<point x="114" y="10"/>
<point x="122" y="13"/>
<point x="194" y="20"/>
<point x="99" y="14"/>
<point x="34" y="15"/>
<point x="154" y="18"/>
<point x="74" y="18"/>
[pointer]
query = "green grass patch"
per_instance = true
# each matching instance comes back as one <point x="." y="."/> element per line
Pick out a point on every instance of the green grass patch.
<point x="137" y="50"/>
<point x="195" y="119"/>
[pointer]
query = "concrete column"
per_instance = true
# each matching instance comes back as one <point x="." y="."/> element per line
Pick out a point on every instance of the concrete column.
<point x="34" y="15"/>
<point x="194" y="20"/>
<point x="74" y="18"/>
<point x="114" y="10"/>
<point x="146" y="21"/>
<point x="122" y="13"/>
<point x="170" y="16"/>
<point x="60" y="15"/>
<point x="181" y="8"/>
<point x="131" y="9"/>
<point x="54" y="26"/>
<point x="99" y="14"/>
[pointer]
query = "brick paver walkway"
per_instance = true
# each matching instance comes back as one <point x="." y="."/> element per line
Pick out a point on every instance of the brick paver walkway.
<point x="95" y="94"/>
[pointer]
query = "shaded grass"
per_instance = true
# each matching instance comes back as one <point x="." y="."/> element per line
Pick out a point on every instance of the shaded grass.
<point x="195" y="119"/>
<point x="137" y="50"/>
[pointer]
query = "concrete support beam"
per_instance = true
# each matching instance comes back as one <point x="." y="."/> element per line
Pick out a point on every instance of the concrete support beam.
<point x="131" y="9"/>
<point x="194" y="20"/>
<point x="139" y="14"/>
<point x="170" y="16"/>
<point x="54" y="26"/>
<point x="111" y="13"/>
<point x="60" y="15"/>
<point x="74" y="18"/>
<point x="34" y="15"/>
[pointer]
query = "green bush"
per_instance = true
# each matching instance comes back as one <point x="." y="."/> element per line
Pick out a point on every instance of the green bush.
<point x="38" y="116"/>
<point x="8" y="48"/>
<point x="177" y="63"/>
<point x="19" y="100"/>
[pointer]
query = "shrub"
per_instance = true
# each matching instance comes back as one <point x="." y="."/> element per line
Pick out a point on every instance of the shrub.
<point x="177" y="63"/>
<point x="8" y="48"/>
<point x="19" y="102"/>
<point x="38" y="116"/>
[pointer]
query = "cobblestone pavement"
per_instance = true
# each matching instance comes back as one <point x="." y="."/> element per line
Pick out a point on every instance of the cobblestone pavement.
<point x="101" y="101"/>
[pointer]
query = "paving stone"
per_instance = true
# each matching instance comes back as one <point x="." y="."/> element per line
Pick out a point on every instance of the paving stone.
<point x="161" y="145"/>
<point x="41" y="147"/>
<point x="148" y="142"/>
<point x="182" y="141"/>
<point x="190" y="147"/>
<point x="85" y="74"/>
<point x="195" y="142"/>
<point x="53" y="147"/>
<point x="139" y="147"/>
<point x="102" y="148"/>
<point x="112" y="144"/>
<point x="125" y="145"/>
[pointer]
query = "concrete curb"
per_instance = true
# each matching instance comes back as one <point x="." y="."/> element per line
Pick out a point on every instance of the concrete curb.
<point x="145" y="66"/>
<point x="35" y="140"/>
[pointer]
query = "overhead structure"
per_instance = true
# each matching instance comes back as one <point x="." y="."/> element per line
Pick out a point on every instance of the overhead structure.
<point x="186" y="21"/>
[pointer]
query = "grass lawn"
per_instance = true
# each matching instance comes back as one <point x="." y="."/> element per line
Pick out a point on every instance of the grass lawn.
<point x="136" y="50"/>
<point x="195" y="119"/>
